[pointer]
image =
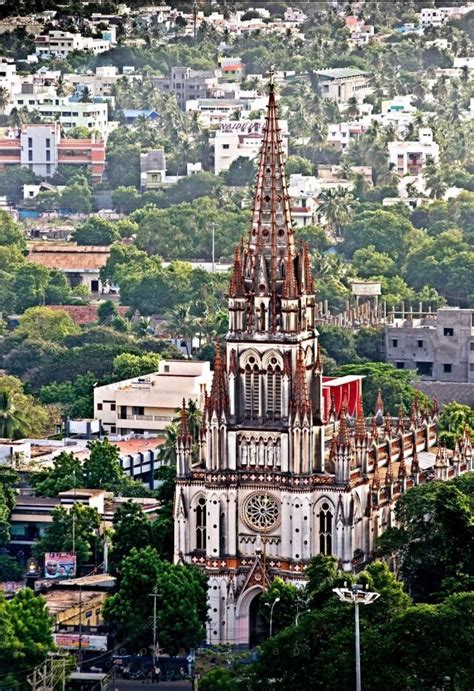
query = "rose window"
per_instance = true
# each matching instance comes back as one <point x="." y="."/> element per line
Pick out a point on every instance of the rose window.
<point x="261" y="511"/>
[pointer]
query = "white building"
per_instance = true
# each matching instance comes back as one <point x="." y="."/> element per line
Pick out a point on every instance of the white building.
<point x="303" y="191"/>
<point x="342" y="83"/>
<point x="241" y="138"/>
<point x="99" y="83"/>
<point x="147" y="405"/>
<point x="340" y="134"/>
<point x="39" y="148"/>
<point x="60" y="44"/>
<point x="408" y="158"/>
<point x="70" y="113"/>
<point x="9" y="80"/>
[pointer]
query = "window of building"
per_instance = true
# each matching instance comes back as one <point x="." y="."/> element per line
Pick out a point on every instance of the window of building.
<point x="30" y="142"/>
<point x="166" y="368"/>
<point x="138" y="410"/>
<point x="448" y="331"/>
<point x="471" y="346"/>
<point x="425" y="368"/>
<point x="113" y="429"/>
<point x="447" y="367"/>
<point x="471" y="367"/>
<point x="251" y="390"/>
<point x="325" y="529"/>
<point x="48" y="155"/>
<point x="113" y="406"/>
<point x="225" y="146"/>
<point x="30" y="155"/>
<point x="420" y="344"/>
<point x="394" y="342"/>
<point x="201" y="524"/>
<point x="400" y="365"/>
<point x="48" y="142"/>
<point x="48" y="169"/>
<point x="274" y="390"/>
<point x="99" y="406"/>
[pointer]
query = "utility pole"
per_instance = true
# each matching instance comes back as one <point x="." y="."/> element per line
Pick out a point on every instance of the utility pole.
<point x="154" y="595"/>
<point x="213" y="230"/>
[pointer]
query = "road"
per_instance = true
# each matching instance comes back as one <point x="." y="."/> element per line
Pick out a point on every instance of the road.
<point x="127" y="685"/>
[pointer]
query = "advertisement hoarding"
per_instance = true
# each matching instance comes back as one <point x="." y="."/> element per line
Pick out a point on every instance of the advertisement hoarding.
<point x="59" y="565"/>
<point x="70" y="641"/>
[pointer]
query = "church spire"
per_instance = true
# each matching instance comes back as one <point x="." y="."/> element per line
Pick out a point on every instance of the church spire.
<point x="271" y="234"/>
<point x="300" y="399"/>
<point x="218" y="400"/>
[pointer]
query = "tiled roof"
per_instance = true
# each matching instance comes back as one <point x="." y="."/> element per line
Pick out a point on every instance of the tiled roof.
<point x="340" y="73"/>
<point x="69" y="257"/>
<point x="84" y="314"/>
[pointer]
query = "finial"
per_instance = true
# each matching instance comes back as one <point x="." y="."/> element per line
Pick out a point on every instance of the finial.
<point x="271" y="80"/>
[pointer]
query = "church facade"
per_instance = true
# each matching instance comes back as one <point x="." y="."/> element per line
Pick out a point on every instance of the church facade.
<point x="282" y="475"/>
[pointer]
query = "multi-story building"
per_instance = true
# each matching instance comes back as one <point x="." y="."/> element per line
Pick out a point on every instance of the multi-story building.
<point x="41" y="149"/>
<point x="408" y="158"/>
<point x="9" y="81"/>
<point x="340" y="134"/>
<point x="232" y="69"/>
<point x="60" y="44"/>
<point x="152" y="170"/>
<point x="303" y="191"/>
<point x="68" y="111"/>
<point x="280" y="475"/>
<point x="147" y="405"/>
<point x="241" y="138"/>
<point x="439" y="346"/>
<point x="99" y="83"/>
<point x="187" y="84"/>
<point x="342" y="83"/>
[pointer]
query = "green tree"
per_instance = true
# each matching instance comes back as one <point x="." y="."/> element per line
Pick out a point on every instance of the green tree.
<point x="46" y="324"/>
<point x="181" y="601"/>
<point x="81" y="522"/>
<point x="300" y="165"/>
<point x="10" y="568"/>
<point x="10" y="233"/>
<point x="14" y="423"/>
<point x="96" y="231"/>
<point x="386" y="231"/>
<point x="241" y="172"/>
<point x="126" y="199"/>
<point x="286" y="610"/>
<point x="128" y="366"/>
<point x="77" y="198"/>
<point x="102" y="469"/>
<point x="454" y="419"/>
<point x="106" y="311"/>
<point x="66" y="473"/>
<point x="337" y="343"/>
<point x="337" y="208"/>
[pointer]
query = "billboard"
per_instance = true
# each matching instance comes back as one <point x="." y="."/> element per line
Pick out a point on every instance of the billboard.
<point x="70" y="641"/>
<point x="59" y="565"/>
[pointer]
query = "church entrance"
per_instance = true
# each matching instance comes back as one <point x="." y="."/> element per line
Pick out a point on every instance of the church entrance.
<point x="257" y="631"/>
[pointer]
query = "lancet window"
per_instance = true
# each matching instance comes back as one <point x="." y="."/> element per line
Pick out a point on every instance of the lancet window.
<point x="325" y="529"/>
<point x="201" y="524"/>
<point x="251" y="389"/>
<point x="273" y="406"/>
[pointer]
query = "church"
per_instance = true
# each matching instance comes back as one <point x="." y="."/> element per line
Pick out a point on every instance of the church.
<point x="287" y="465"/>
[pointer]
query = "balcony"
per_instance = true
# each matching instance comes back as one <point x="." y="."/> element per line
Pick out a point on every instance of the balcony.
<point x="148" y="418"/>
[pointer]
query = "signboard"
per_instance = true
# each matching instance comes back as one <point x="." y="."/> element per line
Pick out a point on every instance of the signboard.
<point x="70" y="641"/>
<point x="366" y="288"/>
<point x="243" y="126"/>
<point x="12" y="587"/>
<point x="59" y="565"/>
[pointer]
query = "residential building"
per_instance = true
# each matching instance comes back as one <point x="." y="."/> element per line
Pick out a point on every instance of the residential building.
<point x="408" y="158"/>
<point x="152" y="170"/>
<point x="147" y="405"/>
<point x="187" y="84"/>
<point x="81" y="264"/>
<point x="281" y="475"/>
<point x="60" y="44"/>
<point x="68" y="111"/>
<point x="439" y="346"/>
<point x="340" y="134"/>
<point x="9" y="81"/>
<point x="436" y="16"/>
<point x="241" y="138"/>
<point x="213" y="111"/>
<point x="342" y="83"/>
<point x="40" y="148"/>
<point x="232" y="69"/>
<point x="99" y="83"/>
<point x="303" y="191"/>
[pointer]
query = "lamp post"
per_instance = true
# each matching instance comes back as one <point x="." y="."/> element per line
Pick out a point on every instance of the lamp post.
<point x="356" y="595"/>
<point x="277" y="599"/>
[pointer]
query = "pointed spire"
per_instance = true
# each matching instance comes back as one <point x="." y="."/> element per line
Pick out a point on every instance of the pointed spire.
<point x="402" y="468"/>
<point x="401" y="420"/>
<point x="415" y="465"/>
<point x="375" y="471"/>
<point x="343" y="436"/>
<point x="379" y="408"/>
<point x="388" y="427"/>
<point x="360" y="431"/>
<point x="271" y="234"/>
<point x="308" y="273"/>
<point x="318" y="365"/>
<point x="237" y="287"/>
<point x="435" y="407"/>
<point x="218" y="400"/>
<point x="300" y="399"/>
<point x="332" y="414"/>
<point x="183" y="423"/>
<point x="374" y="430"/>
<point x="290" y="290"/>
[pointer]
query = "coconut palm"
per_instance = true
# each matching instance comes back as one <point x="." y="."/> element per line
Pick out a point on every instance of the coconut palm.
<point x="4" y="98"/>
<point x="337" y="208"/>
<point x="434" y="180"/>
<point x="181" y="324"/>
<point x="13" y="421"/>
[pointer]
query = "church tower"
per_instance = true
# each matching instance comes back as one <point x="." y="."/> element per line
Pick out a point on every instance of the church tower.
<point x="264" y="493"/>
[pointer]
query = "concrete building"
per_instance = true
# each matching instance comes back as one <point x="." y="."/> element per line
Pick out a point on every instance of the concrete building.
<point x="40" y="148"/>
<point x="147" y="405"/>
<point x="303" y="191"/>
<point x="152" y="170"/>
<point x="99" y="83"/>
<point x="241" y="138"/>
<point x="187" y="84"/>
<point x="60" y="44"/>
<point x="342" y="83"/>
<point x="68" y="111"/>
<point x="408" y="158"/>
<point x="81" y="264"/>
<point x="232" y="69"/>
<point x="439" y="346"/>
<point x="340" y="134"/>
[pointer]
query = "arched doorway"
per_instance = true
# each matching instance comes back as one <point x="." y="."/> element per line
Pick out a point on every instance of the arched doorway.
<point x="257" y="627"/>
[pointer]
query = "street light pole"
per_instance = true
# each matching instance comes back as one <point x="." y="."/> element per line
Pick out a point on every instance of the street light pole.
<point x="277" y="599"/>
<point x="213" y="229"/>
<point x="356" y="595"/>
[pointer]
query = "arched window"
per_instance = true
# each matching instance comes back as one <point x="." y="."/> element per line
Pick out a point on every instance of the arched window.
<point x="251" y="389"/>
<point x="201" y="524"/>
<point x="274" y="390"/>
<point x="325" y="529"/>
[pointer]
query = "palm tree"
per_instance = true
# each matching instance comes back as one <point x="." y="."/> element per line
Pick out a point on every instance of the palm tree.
<point x="181" y="324"/>
<point x="352" y="107"/>
<point x="337" y="208"/>
<point x="4" y="98"/>
<point x="434" y="179"/>
<point x="194" y="418"/>
<point x="13" y="421"/>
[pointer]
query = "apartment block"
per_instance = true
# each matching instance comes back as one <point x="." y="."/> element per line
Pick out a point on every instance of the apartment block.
<point x="41" y="148"/>
<point x="60" y="44"/>
<point x="408" y="158"/>
<point x="241" y="138"/>
<point x="439" y="346"/>
<point x="187" y="84"/>
<point x="147" y="405"/>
